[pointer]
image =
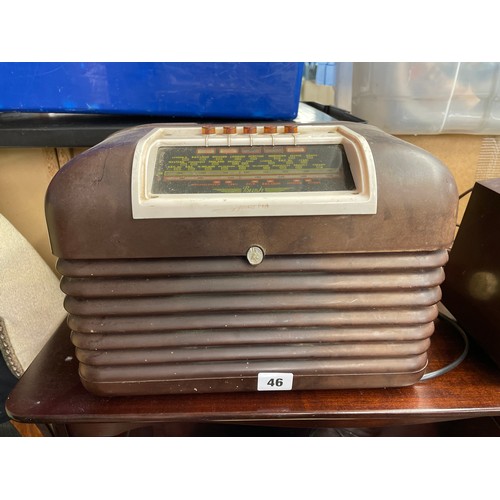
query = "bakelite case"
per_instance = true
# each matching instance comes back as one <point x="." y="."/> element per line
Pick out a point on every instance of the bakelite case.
<point x="178" y="304"/>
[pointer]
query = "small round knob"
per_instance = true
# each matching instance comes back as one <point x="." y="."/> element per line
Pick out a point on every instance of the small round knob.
<point x="255" y="255"/>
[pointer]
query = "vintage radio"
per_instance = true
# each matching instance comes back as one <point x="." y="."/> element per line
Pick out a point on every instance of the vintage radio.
<point x="249" y="257"/>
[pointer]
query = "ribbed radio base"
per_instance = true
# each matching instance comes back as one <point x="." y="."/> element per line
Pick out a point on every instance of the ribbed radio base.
<point x="160" y="326"/>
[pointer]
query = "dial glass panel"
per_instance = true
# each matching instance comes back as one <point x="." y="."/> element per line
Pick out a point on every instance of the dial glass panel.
<point x="254" y="169"/>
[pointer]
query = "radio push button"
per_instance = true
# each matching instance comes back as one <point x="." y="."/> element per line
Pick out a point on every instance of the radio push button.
<point x="249" y="129"/>
<point x="208" y="130"/>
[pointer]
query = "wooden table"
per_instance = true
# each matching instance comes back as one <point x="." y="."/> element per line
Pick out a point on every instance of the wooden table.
<point x="50" y="393"/>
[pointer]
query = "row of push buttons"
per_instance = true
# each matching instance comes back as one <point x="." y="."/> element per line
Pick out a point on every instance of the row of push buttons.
<point x="249" y="129"/>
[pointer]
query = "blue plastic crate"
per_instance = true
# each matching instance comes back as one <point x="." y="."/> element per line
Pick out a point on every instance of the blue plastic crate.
<point x="217" y="90"/>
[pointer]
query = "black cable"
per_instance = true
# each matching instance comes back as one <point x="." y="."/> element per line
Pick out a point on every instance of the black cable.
<point x="455" y="363"/>
<point x="465" y="193"/>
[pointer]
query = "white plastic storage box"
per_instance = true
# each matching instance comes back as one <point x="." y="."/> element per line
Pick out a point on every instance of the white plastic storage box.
<point x="428" y="98"/>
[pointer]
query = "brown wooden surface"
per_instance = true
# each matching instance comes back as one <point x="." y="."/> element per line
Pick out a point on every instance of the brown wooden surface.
<point x="50" y="392"/>
<point x="27" y="430"/>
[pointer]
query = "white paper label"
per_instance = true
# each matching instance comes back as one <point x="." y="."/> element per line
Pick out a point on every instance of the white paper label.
<point x="274" y="381"/>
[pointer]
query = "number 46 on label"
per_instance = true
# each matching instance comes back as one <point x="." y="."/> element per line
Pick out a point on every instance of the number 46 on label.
<point x="274" y="381"/>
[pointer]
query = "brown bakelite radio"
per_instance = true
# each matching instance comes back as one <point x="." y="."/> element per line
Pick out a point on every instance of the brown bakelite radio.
<point x="249" y="257"/>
